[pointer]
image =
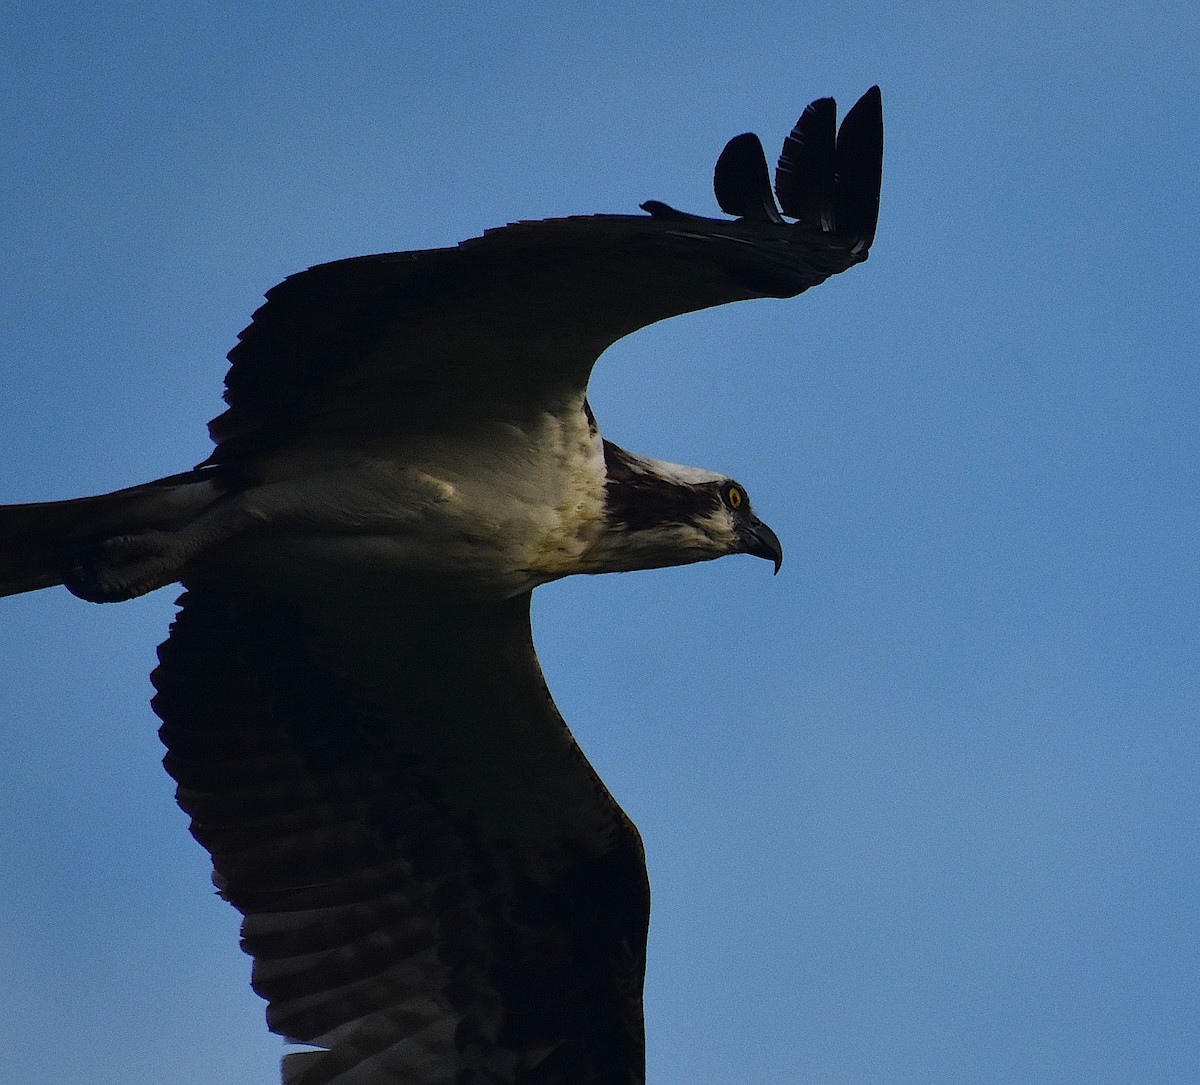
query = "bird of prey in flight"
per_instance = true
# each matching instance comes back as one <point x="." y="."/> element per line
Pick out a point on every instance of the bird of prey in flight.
<point x="436" y="886"/>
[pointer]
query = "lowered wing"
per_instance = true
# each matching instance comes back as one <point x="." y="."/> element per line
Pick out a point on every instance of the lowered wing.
<point x="436" y="885"/>
<point x="375" y="345"/>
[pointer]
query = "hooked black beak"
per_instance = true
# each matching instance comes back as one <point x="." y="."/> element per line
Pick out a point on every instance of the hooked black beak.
<point x="761" y="541"/>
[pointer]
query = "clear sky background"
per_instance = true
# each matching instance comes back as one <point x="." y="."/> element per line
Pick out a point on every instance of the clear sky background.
<point x="920" y="810"/>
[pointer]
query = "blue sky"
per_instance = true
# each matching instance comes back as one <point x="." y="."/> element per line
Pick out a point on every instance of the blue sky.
<point x="922" y="808"/>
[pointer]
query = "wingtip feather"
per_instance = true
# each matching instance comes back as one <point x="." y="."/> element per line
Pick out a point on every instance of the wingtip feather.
<point x="742" y="182"/>
<point x="860" y="169"/>
<point x="804" y="178"/>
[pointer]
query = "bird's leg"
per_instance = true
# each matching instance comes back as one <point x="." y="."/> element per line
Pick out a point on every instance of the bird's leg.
<point x="130" y="565"/>
<point x="122" y="567"/>
<point x="369" y="497"/>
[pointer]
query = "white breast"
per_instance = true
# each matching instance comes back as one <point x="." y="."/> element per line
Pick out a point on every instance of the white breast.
<point x="489" y="511"/>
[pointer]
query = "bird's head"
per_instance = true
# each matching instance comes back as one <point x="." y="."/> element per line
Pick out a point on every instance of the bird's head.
<point x="661" y="514"/>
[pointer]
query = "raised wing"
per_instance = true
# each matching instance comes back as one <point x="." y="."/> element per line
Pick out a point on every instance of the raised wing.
<point x="377" y="344"/>
<point x="436" y="885"/>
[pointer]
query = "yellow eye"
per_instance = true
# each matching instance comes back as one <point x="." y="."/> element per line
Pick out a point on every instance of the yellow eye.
<point x="734" y="496"/>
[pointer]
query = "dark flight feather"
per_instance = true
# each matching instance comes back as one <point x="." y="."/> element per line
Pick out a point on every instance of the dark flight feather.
<point x="829" y="179"/>
<point x="860" y="169"/>
<point x="741" y="181"/>
<point x="804" y="178"/>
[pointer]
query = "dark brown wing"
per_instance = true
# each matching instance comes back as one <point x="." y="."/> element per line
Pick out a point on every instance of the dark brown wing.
<point x="436" y="885"/>
<point x="377" y="344"/>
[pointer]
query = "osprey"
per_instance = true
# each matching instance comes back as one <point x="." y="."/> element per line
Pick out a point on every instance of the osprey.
<point x="436" y="886"/>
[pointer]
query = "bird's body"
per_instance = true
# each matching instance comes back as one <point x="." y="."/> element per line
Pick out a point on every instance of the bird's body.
<point x="485" y="512"/>
<point x="436" y="885"/>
